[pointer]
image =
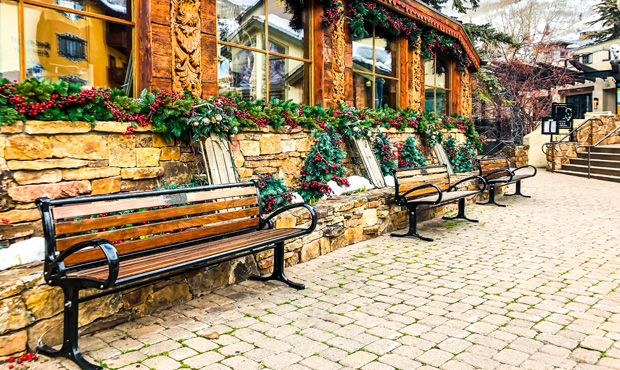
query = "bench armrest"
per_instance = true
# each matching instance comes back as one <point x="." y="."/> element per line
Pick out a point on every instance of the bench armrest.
<point x="425" y="186"/>
<point x="267" y="221"/>
<point x="110" y="254"/>
<point x="526" y="166"/>
<point x="482" y="180"/>
<point x="509" y="173"/>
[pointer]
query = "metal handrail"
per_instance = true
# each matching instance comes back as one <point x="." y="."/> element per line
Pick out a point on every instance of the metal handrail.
<point x="594" y="146"/>
<point x="545" y="148"/>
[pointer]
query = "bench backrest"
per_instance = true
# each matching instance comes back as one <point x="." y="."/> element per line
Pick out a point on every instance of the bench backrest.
<point x="406" y="179"/>
<point x="487" y="166"/>
<point x="140" y="222"/>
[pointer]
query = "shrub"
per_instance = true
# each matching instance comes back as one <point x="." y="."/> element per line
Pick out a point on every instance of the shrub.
<point x="410" y="154"/>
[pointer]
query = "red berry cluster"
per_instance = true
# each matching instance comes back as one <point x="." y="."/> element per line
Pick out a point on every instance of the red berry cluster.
<point x="25" y="357"/>
<point x="5" y="220"/>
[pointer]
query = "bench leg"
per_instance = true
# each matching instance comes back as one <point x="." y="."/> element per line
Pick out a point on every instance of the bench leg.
<point x="517" y="191"/>
<point x="492" y="197"/>
<point x="461" y="213"/>
<point x="278" y="269"/>
<point x="69" y="348"/>
<point x="413" y="227"/>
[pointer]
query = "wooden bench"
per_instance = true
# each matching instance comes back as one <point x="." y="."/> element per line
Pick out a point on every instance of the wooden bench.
<point x="496" y="171"/>
<point x="112" y="243"/>
<point x="431" y="186"/>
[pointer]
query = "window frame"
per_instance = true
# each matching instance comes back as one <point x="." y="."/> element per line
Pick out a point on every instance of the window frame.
<point x="54" y="6"/>
<point x="376" y="75"/>
<point x="308" y="35"/>
<point x="447" y="90"/>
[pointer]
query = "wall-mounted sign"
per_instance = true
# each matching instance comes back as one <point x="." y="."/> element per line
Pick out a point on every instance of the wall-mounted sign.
<point x="562" y="113"/>
<point x="549" y="126"/>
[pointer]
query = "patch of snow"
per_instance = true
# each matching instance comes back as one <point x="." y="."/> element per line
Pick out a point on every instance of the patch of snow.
<point x="296" y="198"/>
<point x="389" y="180"/>
<point x="21" y="253"/>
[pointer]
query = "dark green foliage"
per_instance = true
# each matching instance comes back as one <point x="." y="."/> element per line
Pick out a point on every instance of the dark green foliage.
<point x="410" y="154"/>
<point x="384" y="151"/>
<point x="459" y="5"/>
<point x="461" y="157"/>
<point x="273" y="193"/>
<point x="322" y="164"/>
<point x="487" y="34"/>
<point x="609" y="16"/>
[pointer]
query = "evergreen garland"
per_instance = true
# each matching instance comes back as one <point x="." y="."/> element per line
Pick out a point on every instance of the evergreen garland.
<point x="322" y="164"/>
<point x="410" y="154"/>
<point x="461" y="157"/>
<point x="273" y="193"/>
<point x="384" y="151"/>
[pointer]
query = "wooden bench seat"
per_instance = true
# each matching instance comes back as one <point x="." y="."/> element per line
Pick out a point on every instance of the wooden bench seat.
<point x="111" y="243"/>
<point x="430" y="185"/>
<point x="496" y="171"/>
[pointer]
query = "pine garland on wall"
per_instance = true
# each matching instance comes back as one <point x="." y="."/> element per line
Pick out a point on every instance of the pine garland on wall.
<point x="384" y="151"/>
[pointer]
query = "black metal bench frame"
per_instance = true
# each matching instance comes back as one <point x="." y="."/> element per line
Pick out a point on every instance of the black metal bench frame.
<point x="412" y="205"/>
<point x="503" y="181"/>
<point x="55" y="271"/>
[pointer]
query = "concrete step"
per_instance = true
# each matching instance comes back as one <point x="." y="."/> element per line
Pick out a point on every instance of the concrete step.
<point x="596" y="162"/>
<point x="609" y="171"/>
<point x="599" y="155"/>
<point x="607" y="149"/>
<point x="593" y="176"/>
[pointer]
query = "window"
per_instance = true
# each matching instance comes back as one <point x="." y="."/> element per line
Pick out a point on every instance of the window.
<point x="260" y="56"/>
<point x="581" y="104"/>
<point x="375" y="81"/>
<point x="586" y="58"/>
<point x="437" y="85"/>
<point x="69" y="40"/>
<point x="71" y="46"/>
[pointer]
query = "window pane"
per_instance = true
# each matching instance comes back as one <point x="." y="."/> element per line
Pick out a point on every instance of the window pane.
<point x="241" y="22"/>
<point x="385" y="57"/>
<point x="9" y="41"/>
<point x="385" y="92"/>
<point x="362" y="90"/>
<point x="112" y="8"/>
<point x="429" y="99"/>
<point x="76" y="50"/>
<point x="281" y="32"/>
<point x="362" y="52"/>
<point x="429" y="72"/>
<point x="286" y="79"/>
<point x="241" y="73"/>
<point x="442" y="101"/>
<point x="442" y="74"/>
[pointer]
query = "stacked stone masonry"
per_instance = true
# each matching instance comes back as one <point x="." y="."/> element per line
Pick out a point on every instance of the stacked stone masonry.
<point x="517" y="155"/>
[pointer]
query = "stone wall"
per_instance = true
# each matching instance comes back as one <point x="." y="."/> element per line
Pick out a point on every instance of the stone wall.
<point x="63" y="159"/>
<point x="29" y="309"/>
<point x="517" y="155"/>
<point x="561" y="153"/>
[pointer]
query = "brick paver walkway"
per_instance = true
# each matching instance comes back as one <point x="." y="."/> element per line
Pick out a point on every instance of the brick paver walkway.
<point x="532" y="286"/>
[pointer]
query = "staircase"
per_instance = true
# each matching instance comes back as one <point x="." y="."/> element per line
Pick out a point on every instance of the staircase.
<point x="604" y="162"/>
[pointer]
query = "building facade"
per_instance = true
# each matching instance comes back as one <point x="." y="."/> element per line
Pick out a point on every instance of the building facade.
<point x="365" y="54"/>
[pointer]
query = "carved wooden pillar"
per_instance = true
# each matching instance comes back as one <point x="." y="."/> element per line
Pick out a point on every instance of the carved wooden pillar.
<point x="416" y="93"/>
<point x="466" y="94"/>
<point x="186" y="51"/>
<point x="338" y="62"/>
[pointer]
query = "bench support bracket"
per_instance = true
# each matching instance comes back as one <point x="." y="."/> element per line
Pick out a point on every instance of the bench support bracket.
<point x="461" y="213"/>
<point x="278" y="269"/>
<point x="69" y="348"/>
<point x="517" y="191"/>
<point x="492" y="197"/>
<point x="413" y="226"/>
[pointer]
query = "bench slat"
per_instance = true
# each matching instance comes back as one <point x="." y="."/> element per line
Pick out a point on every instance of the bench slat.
<point x="162" y="227"/>
<point x="162" y="240"/>
<point x="173" y="257"/>
<point x="166" y="213"/>
<point x="87" y="209"/>
<point x="420" y="171"/>
<point x="423" y="179"/>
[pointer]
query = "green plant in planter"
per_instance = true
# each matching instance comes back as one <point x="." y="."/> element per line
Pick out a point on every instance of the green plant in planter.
<point x="273" y="193"/>
<point x="384" y="151"/>
<point x="410" y="154"/>
<point x="322" y="164"/>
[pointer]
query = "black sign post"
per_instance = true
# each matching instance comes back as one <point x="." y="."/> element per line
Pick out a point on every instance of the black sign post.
<point x="562" y="113"/>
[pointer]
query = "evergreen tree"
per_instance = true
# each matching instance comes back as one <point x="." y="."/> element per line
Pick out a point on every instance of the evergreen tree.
<point x="411" y="154"/>
<point x="384" y="151"/>
<point x="461" y="157"/>
<point x="609" y="16"/>
<point x="273" y="193"/>
<point x="458" y="5"/>
<point x="322" y="164"/>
